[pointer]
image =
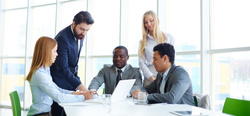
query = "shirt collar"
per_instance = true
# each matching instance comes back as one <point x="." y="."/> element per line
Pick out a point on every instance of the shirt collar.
<point x="121" y="69"/>
<point x="73" y="32"/>
<point x="47" y="69"/>
<point x="150" y="37"/>
<point x="166" y="73"/>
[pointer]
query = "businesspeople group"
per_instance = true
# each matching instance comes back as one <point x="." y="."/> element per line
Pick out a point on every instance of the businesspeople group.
<point x="55" y="80"/>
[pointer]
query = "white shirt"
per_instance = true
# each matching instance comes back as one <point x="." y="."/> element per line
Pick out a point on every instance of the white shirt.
<point x="120" y="69"/>
<point x="44" y="91"/>
<point x="145" y="64"/>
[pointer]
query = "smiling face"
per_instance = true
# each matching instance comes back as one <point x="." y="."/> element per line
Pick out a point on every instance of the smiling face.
<point x="120" y="58"/>
<point x="54" y="54"/>
<point x="80" y="30"/>
<point x="149" y="22"/>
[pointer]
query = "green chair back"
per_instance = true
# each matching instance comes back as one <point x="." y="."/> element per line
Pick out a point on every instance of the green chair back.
<point x="15" y="102"/>
<point x="236" y="107"/>
<point x="195" y="101"/>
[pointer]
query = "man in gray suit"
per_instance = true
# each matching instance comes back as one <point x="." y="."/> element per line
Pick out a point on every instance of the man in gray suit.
<point x="172" y="84"/>
<point x="120" y="70"/>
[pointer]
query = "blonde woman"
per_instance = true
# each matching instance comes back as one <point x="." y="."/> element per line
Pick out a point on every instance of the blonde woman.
<point x="43" y="89"/>
<point x="151" y="36"/>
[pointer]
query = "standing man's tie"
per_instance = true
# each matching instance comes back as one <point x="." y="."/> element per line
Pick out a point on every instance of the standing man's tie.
<point x="118" y="78"/>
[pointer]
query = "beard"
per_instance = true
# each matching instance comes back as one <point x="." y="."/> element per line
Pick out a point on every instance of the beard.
<point x="78" y="36"/>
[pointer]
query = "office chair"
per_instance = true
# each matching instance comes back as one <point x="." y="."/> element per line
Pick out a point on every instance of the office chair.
<point x="15" y="102"/>
<point x="236" y="107"/>
<point x="202" y="101"/>
<point x="195" y="101"/>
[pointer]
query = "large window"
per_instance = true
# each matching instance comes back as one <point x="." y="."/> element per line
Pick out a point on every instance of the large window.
<point x="12" y="78"/>
<point x="106" y="27"/>
<point x="230" y="23"/>
<point x="9" y="4"/>
<point x="211" y="40"/>
<point x="183" y="23"/>
<point x="134" y="21"/>
<point x="14" y="33"/>
<point x="230" y="47"/>
<point x="231" y="72"/>
<point x="12" y="48"/>
<point x="43" y="24"/>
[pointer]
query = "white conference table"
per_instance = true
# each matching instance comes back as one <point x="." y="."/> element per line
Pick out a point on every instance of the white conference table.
<point x="129" y="108"/>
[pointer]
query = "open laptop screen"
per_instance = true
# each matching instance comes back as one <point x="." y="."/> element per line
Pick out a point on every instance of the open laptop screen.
<point x="122" y="90"/>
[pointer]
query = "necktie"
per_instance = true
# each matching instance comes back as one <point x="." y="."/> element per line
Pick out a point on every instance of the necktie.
<point x="118" y="78"/>
<point x="77" y="46"/>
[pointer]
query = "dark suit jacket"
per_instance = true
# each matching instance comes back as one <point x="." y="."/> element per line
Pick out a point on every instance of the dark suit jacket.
<point x="178" y="88"/>
<point x="64" y="70"/>
<point x="107" y="75"/>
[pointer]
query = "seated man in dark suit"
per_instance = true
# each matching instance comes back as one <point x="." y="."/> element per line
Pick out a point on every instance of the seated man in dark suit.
<point x="172" y="84"/>
<point x="120" y="70"/>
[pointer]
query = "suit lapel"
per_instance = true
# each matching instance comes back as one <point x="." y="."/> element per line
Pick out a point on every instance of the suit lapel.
<point x="73" y="43"/>
<point x="112" y="76"/>
<point x="125" y="74"/>
<point x="159" y="82"/>
<point x="169" y="76"/>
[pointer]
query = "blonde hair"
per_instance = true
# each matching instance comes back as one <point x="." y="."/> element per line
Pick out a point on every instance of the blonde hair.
<point x="42" y="54"/>
<point x="158" y="35"/>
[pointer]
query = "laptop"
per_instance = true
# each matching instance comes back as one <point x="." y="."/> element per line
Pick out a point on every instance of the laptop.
<point x="120" y="93"/>
<point x="122" y="90"/>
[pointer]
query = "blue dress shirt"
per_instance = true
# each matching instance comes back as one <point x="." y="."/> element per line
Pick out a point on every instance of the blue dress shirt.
<point x="163" y="82"/>
<point x="44" y="91"/>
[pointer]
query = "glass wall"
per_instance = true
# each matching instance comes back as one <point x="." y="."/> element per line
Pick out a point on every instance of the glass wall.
<point x="229" y="42"/>
<point x="134" y="21"/>
<point x="231" y="77"/>
<point x="106" y="27"/>
<point x="14" y="33"/>
<point x="119" y="22"/>
<point x="230" y="24"/>
<point x="43" y="23"/>
<point x="12" y="78"/>
<point x="183" y="23"/>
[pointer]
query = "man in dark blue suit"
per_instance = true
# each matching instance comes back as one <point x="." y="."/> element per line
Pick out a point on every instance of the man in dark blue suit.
<point x="64" y="70"/>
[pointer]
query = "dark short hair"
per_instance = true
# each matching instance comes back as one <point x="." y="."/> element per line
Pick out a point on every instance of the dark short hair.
<point x="166" y="49"/>
<point x="121" y="47"/>
<point x="83" y="17"/>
